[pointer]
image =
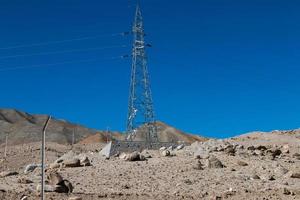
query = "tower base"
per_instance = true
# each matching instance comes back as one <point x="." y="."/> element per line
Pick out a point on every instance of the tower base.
<point x="116" y="147"/>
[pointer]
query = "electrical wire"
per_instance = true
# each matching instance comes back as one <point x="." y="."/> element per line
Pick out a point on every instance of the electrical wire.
<point x="63" y="41"/>
<point x="65" y="51"/>
<point x="61" y="63"/>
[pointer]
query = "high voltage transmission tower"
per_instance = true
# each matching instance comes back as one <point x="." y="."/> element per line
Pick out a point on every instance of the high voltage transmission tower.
<point x="140" y="109"/>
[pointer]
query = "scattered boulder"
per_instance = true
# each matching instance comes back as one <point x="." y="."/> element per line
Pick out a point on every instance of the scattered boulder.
<point x="251" y="148"/>
<point x="84" y="161"/>
<point x="31" y="168"/>
<point x="134" y="156"/>
<point x="64" y="187"/>
<point x="75" y="162"/>
<point x="75" y="198"/>
<point x="296" y="155"/>
<point x="165" y="153"/>
<point x="55" y="165"/>
<point x="198" y="165"/>
<point x="163" y="148"/>
<point x="24" y="180"/>
<point x="229" y="150"/>
<point x="214" y="162"/>
<point x="69" y="186"/>
<point x="286" y="191"/>
<point x="179" y="147"/>
<point x="123" y="156"/>
<point x="68" y="156"/>
<point x="261" y="148"/>
<point x="146" y="154"/>
<point x="242" y="163"/>
<point x="8" y="173"/>
<point x="24" y="197"/>
<point x="295" y="175"/>
<point x="54" y="178"/>
<point x="254" y="177"/>
<point x="275" y="152"/>
<point x="47" y="188"/>
<point x="286" y="149"/>
<point x="280" y="171"/>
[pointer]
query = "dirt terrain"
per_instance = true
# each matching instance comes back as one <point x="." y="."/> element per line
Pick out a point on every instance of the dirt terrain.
<point x="252" y="166"/>
<point x="23" y="127"/>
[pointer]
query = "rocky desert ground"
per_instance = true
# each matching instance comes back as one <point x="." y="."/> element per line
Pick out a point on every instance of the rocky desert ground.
<point x="252" y="166"/>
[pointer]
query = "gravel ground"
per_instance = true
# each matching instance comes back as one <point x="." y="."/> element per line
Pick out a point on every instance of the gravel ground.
<point x="245" y="174"/>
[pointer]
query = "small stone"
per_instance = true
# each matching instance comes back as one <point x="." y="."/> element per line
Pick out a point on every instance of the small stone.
<point x="286" y="191"/>
<point x="280" y="171"/>
<point x="242" y="163"/>
<point x="214" y="162"/>
<point x="255" y="177"/>
<point x="272" y="178"/>
<point x="24" y="198"/>
<point x="198" y="165"/>
<point x="30" y="168"/>
<point x="229" y="150"/>
<point x="24" y="180"/>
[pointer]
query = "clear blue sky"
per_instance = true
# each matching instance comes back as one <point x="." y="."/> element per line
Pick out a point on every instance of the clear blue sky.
<point x="218" y="67"/>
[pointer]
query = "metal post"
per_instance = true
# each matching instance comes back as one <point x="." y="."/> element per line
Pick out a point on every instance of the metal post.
<point x="5" y="150"/>
<point x="73" y="136"/>
<point x="43" y="158"/>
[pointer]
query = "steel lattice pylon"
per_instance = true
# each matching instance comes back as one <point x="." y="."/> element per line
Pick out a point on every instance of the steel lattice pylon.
<point x="140" y="108"/>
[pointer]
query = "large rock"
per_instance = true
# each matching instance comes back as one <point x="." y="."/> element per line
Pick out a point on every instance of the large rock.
<point x="47" y="188"/>
<point x="68" y="156"/>
<point x="295" y="175"/>
<point x="74" y="162"/>
<point x="165" y="153"/>
<point x="135" y="156"/>
<point x="68" y="186"/>
<point x="8" y="173"/>
<point x="84" y="161"/>
<point x="55" y="178"/>
<point x="296" y="155"/>
<point x="214" y="162"/>
<point x="75" y="198"/>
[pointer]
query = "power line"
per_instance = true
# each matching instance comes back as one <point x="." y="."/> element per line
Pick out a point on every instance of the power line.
<point x="63" y="41"/>
<point x="61" y="63"/>
<point x="65" y="51"/>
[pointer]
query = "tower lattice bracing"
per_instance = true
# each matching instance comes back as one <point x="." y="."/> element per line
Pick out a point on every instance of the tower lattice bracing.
<point x="140" y="108"/>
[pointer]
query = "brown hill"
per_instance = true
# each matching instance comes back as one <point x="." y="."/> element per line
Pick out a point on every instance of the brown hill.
<point x="23" y="127"/>
<point x="166" y="133"/>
